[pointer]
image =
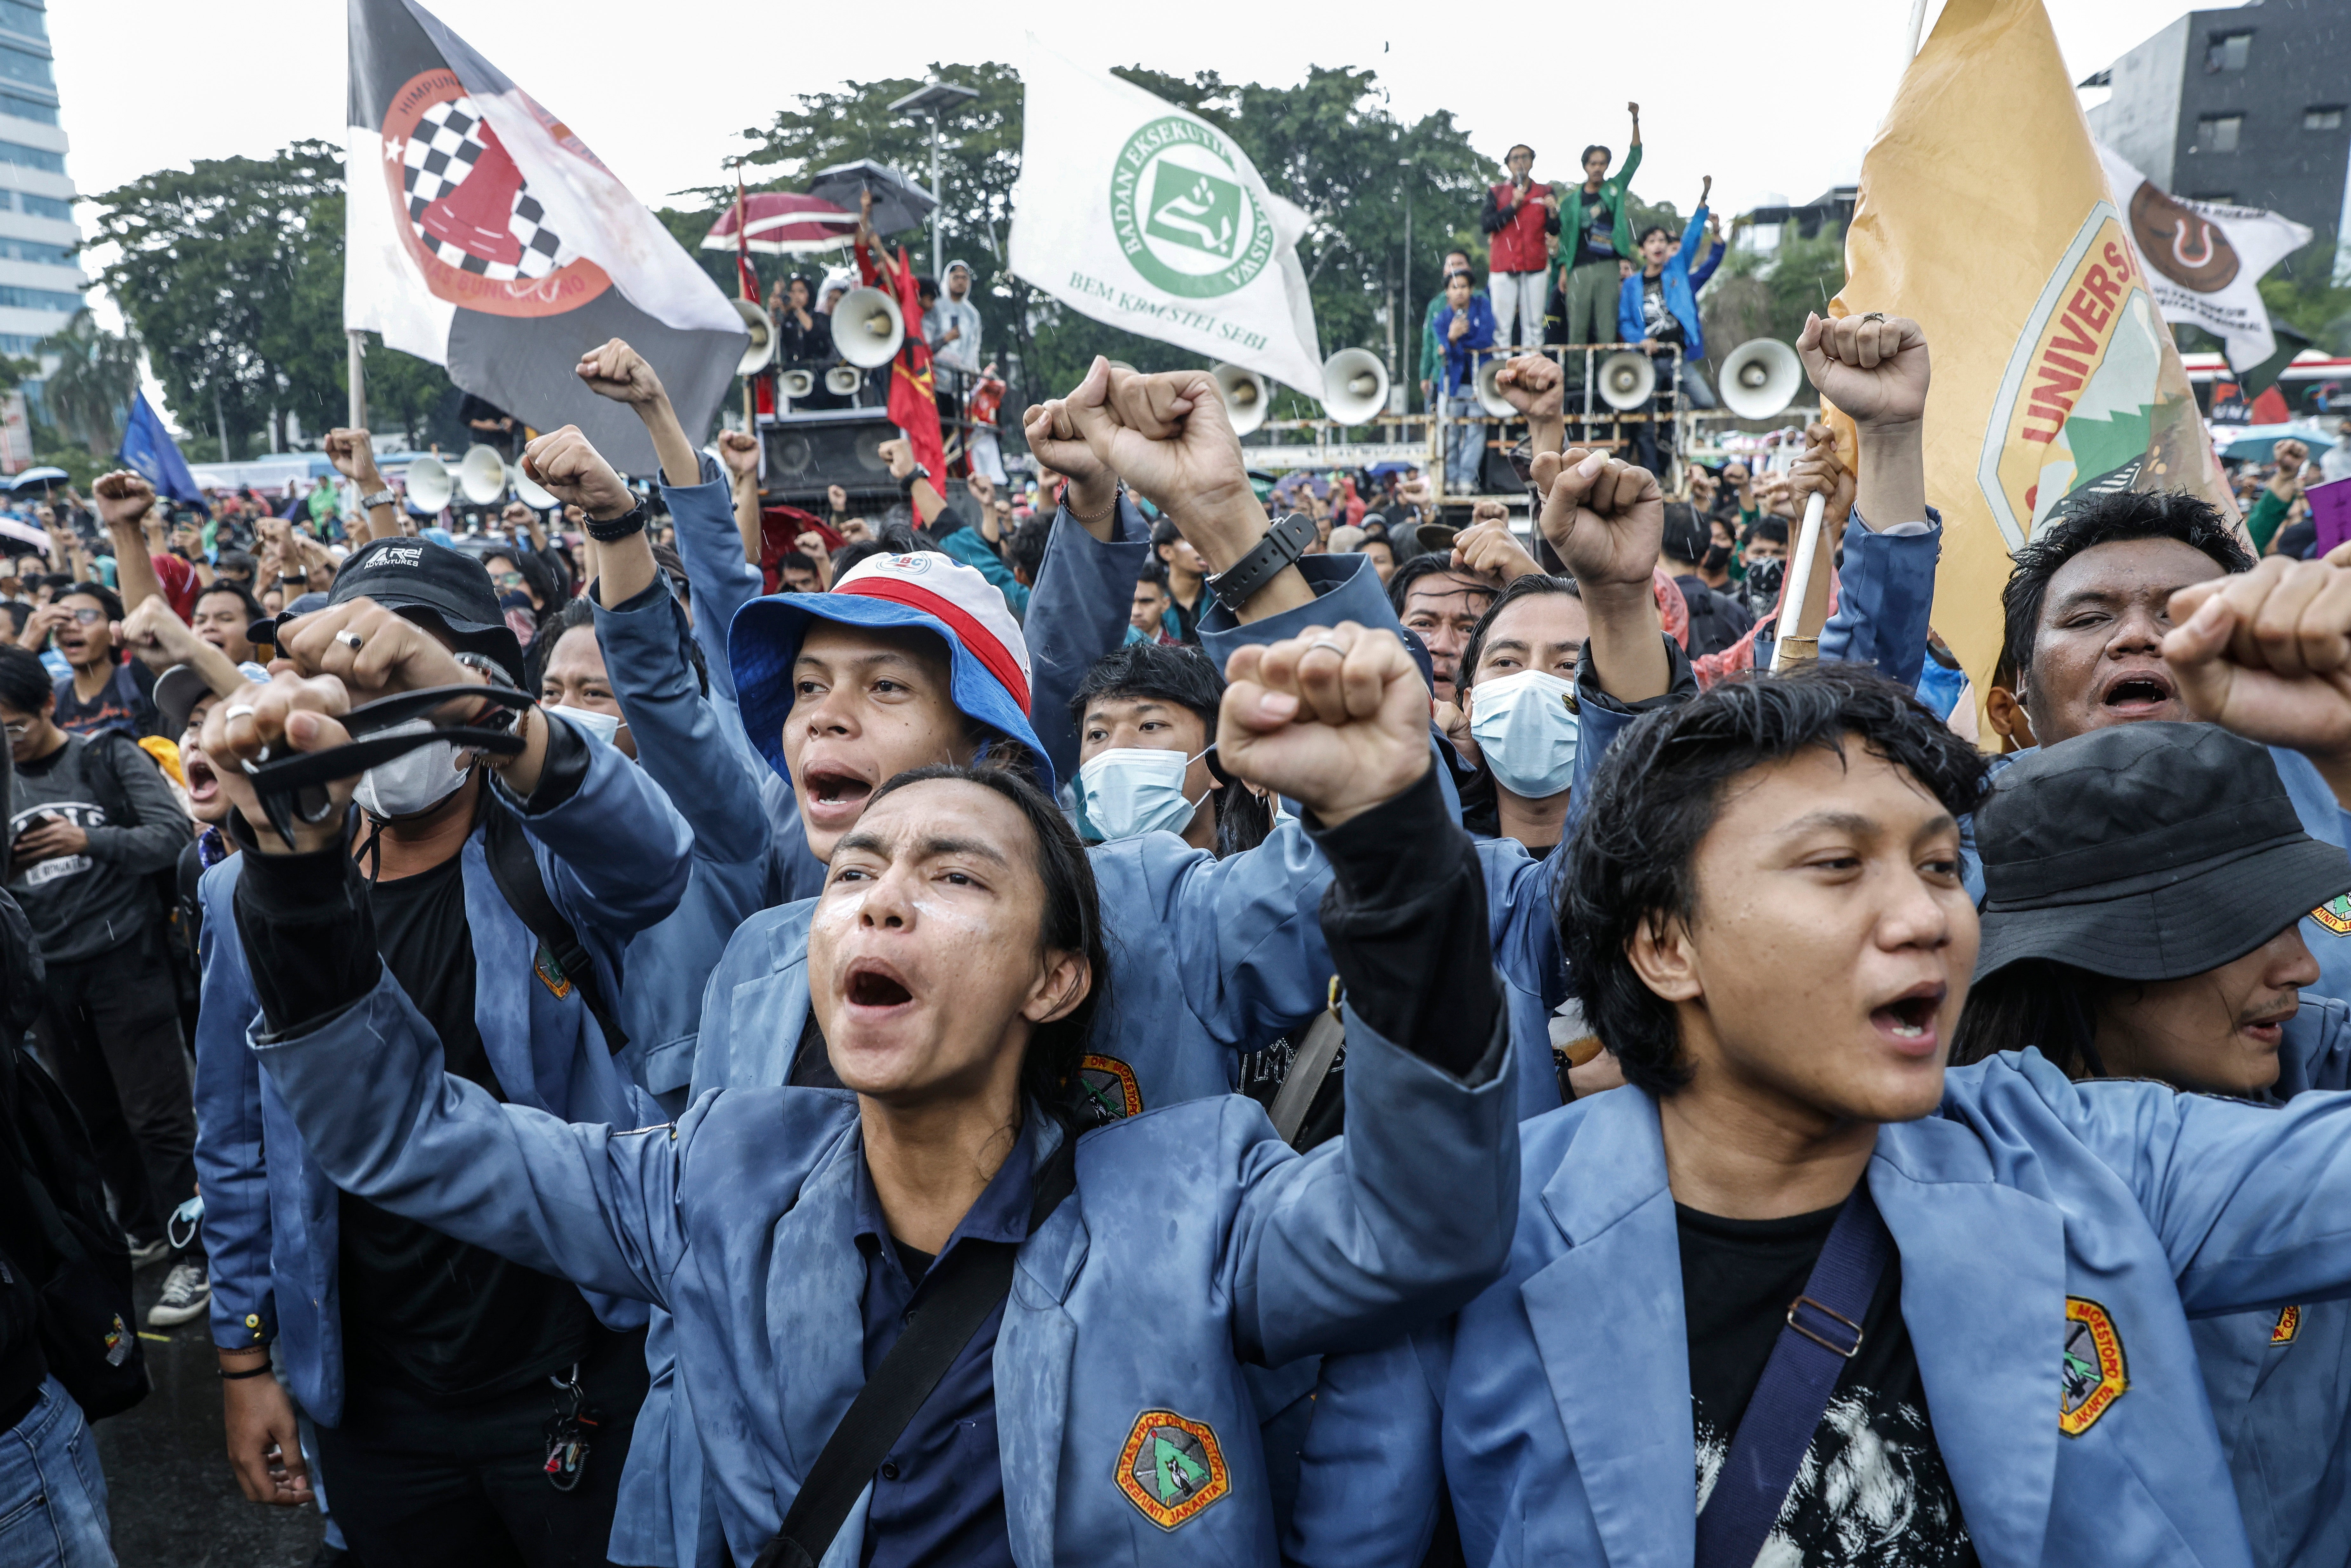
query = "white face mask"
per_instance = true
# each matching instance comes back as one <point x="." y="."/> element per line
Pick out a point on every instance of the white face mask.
<point x="602" y="725"/>
<point x="415" y="783"/>
<point x="1526" y="731"/>
<point x="1132" y="789"/>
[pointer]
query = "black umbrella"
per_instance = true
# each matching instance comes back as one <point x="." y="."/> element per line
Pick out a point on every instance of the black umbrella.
<point x="898" y="202"/>
<point x="42" y="479"/>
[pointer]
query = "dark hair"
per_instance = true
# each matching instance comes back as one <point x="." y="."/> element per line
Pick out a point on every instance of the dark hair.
<point x="1164" y="532"/>
<point x="1658" y="793"/>
<point x="1071" y="923"/>
<point x="237" y="560"/>
<point x="26" y="684"/>
<point x="1686" y="535"/>
<point x="106" y="597"/>
<point x="1182" y="674"/>
<point x="853" y="552"/>
<point x="2037" y="1002"/>
<point x="572" y="614"/>
<point x="793" y="561"/>
<point x="1154" y="570"/>
<point x="1526" y="587"/>
<point x="1517" y="148"/>
<point x="241" y="594"/>
<point x="1588" y="152"/>
<point x="1426" y="564"/>
<point x="1026" y="547"/>
<point x="673" y="566"/>
<point x="2115" y="518"/>
<point x="1770" y="525"/>
<point x="1643" y="237"/>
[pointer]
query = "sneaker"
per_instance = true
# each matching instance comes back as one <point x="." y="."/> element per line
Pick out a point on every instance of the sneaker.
<point x="187" y="1294"/>
<point x="143" y="1253"/>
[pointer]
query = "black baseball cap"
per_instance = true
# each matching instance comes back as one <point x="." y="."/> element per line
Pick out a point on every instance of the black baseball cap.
<point x="2146" y="852"/>
<point x="444" y="589"/>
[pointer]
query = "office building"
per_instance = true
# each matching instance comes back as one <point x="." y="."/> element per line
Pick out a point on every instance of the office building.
<point x="41" y="280"/>
<point x="2249" y="106"/>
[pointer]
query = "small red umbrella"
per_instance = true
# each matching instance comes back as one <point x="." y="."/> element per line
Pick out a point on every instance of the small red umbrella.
<point x="782" y="223"/>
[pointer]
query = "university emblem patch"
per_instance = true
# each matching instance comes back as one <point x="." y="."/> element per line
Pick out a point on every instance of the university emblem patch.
<point x="550" y="970"/>
<point x="2335" y="914"/>
<point x="1108" y="1087"/>
<point x="2289" y="1325"/>
<point x="2093" y="1372"/>
<point x="1171" y="1467"/>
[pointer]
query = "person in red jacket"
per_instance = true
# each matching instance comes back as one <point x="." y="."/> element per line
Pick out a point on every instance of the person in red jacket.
<point x="1519" y="214"/>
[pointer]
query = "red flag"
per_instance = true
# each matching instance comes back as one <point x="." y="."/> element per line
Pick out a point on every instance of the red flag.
<point x="913" y="397"/>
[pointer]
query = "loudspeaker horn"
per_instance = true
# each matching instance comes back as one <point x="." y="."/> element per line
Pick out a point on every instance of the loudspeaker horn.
<point x="1247" y="397"/>
<point x="799" y="382"/>
<point x="530" y="493"/>
<point x="482" y="476"/>
<point x="429" y="484"/>
<point x="1354" y="385"/>
<point x="1627" y="379"/>
<point x="843" y="381"/>
<point x="1761" y="377"/>
<point x="763" y="338"/>
<point x="867" y="328"/>
<point x="1489" y="389"/>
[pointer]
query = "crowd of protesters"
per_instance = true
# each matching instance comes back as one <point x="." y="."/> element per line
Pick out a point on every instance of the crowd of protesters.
<point x="1135" y="1014"/>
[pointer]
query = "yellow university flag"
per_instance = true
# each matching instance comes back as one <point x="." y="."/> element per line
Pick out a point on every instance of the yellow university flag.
<point x="1984" y="214"/>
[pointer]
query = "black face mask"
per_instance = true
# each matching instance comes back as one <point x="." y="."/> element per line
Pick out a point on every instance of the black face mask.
<point x="1763" y="581"/>
<point x="1717" y="557"/>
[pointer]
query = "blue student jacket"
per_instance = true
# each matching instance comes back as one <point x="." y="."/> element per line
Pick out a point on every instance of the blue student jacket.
<point x="615" y="858"/>
<point x="1556" y="1406"/>
<point x="1681" y="289"/>
<point x="684" y="748"/>
<point x="1195" y="1243"/>
<point x="711" y="548"/>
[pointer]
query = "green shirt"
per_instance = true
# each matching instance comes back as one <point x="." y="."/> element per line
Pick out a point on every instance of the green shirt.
<point x="2263" y="521"/>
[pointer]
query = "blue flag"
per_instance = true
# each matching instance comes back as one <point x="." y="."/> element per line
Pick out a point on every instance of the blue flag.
<point x="149" y="447"/>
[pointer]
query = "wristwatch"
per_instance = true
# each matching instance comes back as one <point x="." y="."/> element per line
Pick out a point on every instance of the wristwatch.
<point x="1283" y="543"/>
<point x="629" y="522"/>
<point x="382" y="497"/>
<point x="906" y="486"/>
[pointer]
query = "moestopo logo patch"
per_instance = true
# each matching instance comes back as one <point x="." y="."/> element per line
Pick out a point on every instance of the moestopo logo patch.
<point x="2094" y="1376"/>
<point x="1171" y="1468"/>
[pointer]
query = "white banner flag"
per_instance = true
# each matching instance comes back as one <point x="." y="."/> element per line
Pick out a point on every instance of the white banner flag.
<point x="1148" y="218"/>
<point x="2204" y="259"/>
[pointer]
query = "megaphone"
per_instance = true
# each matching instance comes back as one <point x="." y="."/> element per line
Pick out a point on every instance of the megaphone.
<point x="1761" y="377"/>
<point x="1627" y="379"/>
<point x="482" y="476"/>
<point x="1354" y="385"/>
<point x="843" y="381"/>
<point x="1247" y="397"/>
<point x="867" y="328"/>
<point x="530" y="493"/>
<point x="763" y="338"/>
<point x="799" y="381"/>
<point x="1489" y="389"/>
<point x="429" y="484"/>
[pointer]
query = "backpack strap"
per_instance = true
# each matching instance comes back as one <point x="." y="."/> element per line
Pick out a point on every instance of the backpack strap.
<point x="516" y="871"/>
<point x="105" y="779"/>
<point x="970" y="1284"/>
<point x="1308" y="1069"/>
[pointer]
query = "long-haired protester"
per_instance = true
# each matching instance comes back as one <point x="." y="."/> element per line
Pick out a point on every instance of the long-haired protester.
<point x="918" y="1317"/>
<point x="1798" y="1286"/>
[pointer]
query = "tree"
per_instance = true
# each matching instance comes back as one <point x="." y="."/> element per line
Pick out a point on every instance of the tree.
<point x="1767" y="294"/>
<point x="2314" y="299"/>
<point x="223" y="276"/>
<point x="89" y="394"/>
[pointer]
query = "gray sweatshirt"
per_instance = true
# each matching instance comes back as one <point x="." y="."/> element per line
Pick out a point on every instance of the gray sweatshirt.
<point x="84" y="904"/>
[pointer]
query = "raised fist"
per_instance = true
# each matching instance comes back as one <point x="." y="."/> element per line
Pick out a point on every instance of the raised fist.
<point x="618" y="371"/>
<point x="1335" y="717"/>
<point x="1533" y="384"/>
<point x="1604" y="518"/>
<point x="740" y="450"/>
<point x="352" y="452"/>
<point x="294" y="712"/>
<point x="1873" y="367"/>
<point x="2267" y="653"/>
<point x="123" y="497"/>
<point x="571" y="470"/>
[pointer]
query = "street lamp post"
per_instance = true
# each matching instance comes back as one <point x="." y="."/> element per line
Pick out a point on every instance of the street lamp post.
<point x="1411" y="339"/>
<point x="931" y="97"/>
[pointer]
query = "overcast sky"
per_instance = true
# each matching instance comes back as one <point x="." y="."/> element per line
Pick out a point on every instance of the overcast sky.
<point x="1773" y="101"/>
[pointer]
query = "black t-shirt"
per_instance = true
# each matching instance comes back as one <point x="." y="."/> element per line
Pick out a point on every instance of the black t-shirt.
<point x="1656" y="320"/>
<point x="1596" y="232"/>
<point x="1873" y="1490"/>
<point x="445" y="1318"/>
<point x="126" y="703"/>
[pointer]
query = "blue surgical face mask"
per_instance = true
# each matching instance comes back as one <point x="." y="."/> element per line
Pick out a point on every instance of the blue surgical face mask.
<point x="1132" y="789"/>
<point x="1526" y="731"/>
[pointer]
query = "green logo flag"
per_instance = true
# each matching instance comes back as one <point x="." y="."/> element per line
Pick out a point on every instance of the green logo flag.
<point x="1148" y="218"/>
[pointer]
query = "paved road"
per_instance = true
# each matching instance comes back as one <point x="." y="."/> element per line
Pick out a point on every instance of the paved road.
<point x="173" y="1501"/>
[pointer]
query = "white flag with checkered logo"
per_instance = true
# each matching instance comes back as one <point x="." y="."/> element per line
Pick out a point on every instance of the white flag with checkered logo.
<point x="481" y="233"/>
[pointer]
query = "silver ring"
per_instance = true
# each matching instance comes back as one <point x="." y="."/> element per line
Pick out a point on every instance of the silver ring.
<point x="1326" y="642"/>
<point x="240" y="710"/>
<point x="350" y="639"/>
<point x="1874" y="316"/>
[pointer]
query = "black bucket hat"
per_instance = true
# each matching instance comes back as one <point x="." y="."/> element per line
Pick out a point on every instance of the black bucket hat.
<point x="436" y="587"/>
<point x="2146" y="852"/>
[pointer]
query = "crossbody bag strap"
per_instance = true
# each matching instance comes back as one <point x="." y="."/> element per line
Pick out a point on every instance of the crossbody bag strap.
<point x="1823" y="1333"/>
<point x="516" y="871"/>
<point x="970" y="1283"/>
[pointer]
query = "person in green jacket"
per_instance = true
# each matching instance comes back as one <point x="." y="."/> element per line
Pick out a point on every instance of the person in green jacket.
<point x="1432" y="346"/>
<point x="2277" y="497"/>
<point x="1601" y="236"/>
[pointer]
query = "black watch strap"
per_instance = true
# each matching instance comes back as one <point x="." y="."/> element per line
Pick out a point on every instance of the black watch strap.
<point x="1283" y="543"/>
<point x="629" y="522"/>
